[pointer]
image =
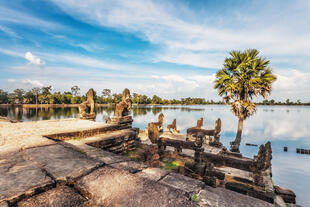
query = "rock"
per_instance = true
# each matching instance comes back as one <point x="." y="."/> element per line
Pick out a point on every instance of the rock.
<point x="20" y="177"/>
<point x="129" y="166"/>
<point x="112" y="187"/>
<point x="4" y="204"/>
<point x="61" y="162"/>
<point x="287" y="194"/>
<point x="154" y="174"/>
<point x="56" y="197"/>
<point x="279" y="202"/>
<point x="107" y="157"/>
<point x="237" y="187"/>
<point x="215" y="197"/>
<point x="181" y="182"/>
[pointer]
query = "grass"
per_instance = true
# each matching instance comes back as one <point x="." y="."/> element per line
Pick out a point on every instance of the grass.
<point x="196" y="198"/>
<point x="172" y="165"/>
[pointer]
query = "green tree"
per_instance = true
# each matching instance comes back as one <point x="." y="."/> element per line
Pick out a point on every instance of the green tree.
<point x="30" y="97"/>
<point x="244" y="75"/>
<point x="36" y="92"/>
<point x="106" y="93"/>
<point x="19" y="95"/>
<point x="75" y="90"/>
<point x="44" y="97"/>
<point x="156" y="100"/>
<point x="4" y="97"/>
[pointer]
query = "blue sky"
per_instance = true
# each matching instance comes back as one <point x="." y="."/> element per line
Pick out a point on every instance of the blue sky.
<point x="168" y="48"/>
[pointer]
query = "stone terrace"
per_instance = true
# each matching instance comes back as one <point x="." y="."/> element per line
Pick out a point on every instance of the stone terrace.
<point x="73" y="173"/>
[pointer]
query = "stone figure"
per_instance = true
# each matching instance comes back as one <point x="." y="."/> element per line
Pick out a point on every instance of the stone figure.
<point x="89" y="103"/>
<point x="153" y="132"/>
<point x="173" y="127"/>
<point x="160" y="122"/>
<point x="214" y="133"/>
<point x="123" y="108"/>
<point x="108" y="120"/>
<point x="199" y="123"/>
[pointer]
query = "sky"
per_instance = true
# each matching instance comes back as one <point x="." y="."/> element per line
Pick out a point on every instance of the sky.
<point x="169" y="48"/>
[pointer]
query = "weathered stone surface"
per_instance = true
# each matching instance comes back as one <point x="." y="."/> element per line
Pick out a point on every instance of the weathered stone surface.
<point x="279" y="202"/>
<point x="19" y="176"/>
<point x="130" y="166"/>
<point x="4" y="204"/>
<point x="107" y="157"/>
<point x="89" y="103"/>
<point x="182" y="182"/>
<point x="154" y="174"/>
<point x="112" y="187"/>
<point x="61" y="162"/>
<point x="57" y="197"/>
<point x="214" y="197"/>
<point x="287" y="194"/>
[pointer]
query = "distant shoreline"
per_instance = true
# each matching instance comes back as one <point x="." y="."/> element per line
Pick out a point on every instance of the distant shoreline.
<point x="112" y="104"/>
<point x="48" y="105"/>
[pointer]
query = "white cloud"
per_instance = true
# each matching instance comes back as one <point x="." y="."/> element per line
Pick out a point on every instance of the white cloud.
<point x="18" y="17"/>
<point x="8" y="31"/>
<point x="33" y="59"/>
<point x="191" y="37"/>
<point x="11" y="53"/>
<point x="23" y="83"/>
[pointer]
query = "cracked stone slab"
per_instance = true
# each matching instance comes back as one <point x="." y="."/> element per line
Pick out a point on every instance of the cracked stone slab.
<point x="61" y="162"/>
<point x="130" y="166"/>
<point x="56" y="197"/>
<point x="108" y="186"/>
<point x="4" y="204"/>
<point x="183" y="183"/>
<point x="19" y="177"/>
<point x="153" y="173"/>
<point x="107" y="157"/>
<point x="214" y="197"/>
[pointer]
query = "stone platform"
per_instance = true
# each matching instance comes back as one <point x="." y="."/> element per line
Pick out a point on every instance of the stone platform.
<point x="42" y="172"/>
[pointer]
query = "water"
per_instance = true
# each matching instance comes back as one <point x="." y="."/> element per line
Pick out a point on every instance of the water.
<point x="282" y="125"/>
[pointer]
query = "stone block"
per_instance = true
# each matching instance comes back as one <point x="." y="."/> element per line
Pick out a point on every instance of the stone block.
<point x="287" y="194"/>
<point x="20" y="177"/>
<point x="4" y="204"/>
<point x="107" y="157"/>
<point x="181" y="182"/>
<point x="108" y="186"/>
<point x="237" y="187"/>
<point x="154" y="174"/>
<point x="61" y="162"/>
<point x="130" y="166"/>
<point x="56" y="197"/>
<point x="215" y="197"/>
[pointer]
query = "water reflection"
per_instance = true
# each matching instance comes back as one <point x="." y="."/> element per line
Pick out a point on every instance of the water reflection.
<point x="282" y="125"/>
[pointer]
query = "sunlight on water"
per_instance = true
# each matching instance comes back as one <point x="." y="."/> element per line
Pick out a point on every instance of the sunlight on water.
<point x="282" y="125"/>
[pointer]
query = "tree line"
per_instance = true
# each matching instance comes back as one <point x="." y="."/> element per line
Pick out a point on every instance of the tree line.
<point x="44" y="95"/>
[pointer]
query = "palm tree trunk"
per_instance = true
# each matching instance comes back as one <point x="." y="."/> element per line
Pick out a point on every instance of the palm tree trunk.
<point x="235" y="145"/>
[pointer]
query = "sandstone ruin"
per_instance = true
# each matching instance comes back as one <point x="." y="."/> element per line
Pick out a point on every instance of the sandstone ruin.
<point x="88" y="104"/>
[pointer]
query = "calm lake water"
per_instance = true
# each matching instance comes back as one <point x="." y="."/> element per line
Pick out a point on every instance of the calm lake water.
<point x="282" y="125"/>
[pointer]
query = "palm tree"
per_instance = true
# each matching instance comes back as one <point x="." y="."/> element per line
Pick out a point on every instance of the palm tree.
<point x="244" y="75"/>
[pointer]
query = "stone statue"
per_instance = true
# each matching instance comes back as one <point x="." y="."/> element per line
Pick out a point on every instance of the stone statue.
<point x="153" y="132"/>
<point x="173" y="126"/>
<point x="199" y="123"/>
<point x="197" y="130"/>
<point x="108" y="120"/>
<point x="89" y="103"/>
<point x="160" y="122"/>
<point x="123" y="108"/>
